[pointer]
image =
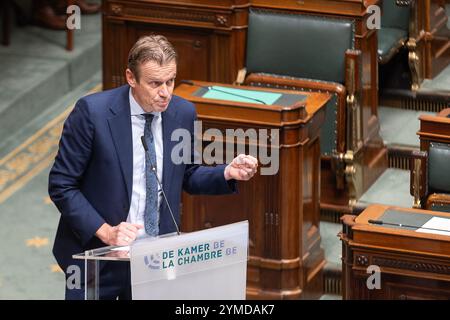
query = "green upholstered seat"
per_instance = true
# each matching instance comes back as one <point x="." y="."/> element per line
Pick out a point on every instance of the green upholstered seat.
<point x="390" y="40"/>
<point x="394" y="29"/>
<point x="301" y="46"/>
<point x="439" y="167"/>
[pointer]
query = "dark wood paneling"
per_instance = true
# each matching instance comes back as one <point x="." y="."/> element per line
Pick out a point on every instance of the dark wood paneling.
<point x="209" y="36"/>
<point x="285" y="260"/>
<point x="437" y="36"/>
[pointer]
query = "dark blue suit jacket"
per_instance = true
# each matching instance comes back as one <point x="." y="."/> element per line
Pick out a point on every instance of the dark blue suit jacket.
<point x="91" y="179"/>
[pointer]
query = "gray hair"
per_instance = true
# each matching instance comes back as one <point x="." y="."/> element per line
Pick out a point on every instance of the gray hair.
<point x="150" y="48"/>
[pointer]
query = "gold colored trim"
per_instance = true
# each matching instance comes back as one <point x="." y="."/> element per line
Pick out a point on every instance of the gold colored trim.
<point x="413" y="61"/>
<point x="41" y="131"/>
<point x="241" y="76"/>
<point x="5" y="194"/>
<point x="416" y="174"/>
<point x="413" y="57"/>
<point x="32" y="156"/>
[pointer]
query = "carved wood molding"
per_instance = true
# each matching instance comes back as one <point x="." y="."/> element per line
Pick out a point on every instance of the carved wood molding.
<point x="361" y="260"/>
<point x="411" y="265"/>
<point x="275" y="264"/>
<point x="214" y="19"/>
<point x="116" y="9"/>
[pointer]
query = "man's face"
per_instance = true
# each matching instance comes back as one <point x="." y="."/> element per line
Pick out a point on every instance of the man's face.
<point x="154" y="89"/>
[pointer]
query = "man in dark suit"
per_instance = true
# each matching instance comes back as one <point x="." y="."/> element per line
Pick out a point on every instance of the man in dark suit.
<point x="102" y="180"/>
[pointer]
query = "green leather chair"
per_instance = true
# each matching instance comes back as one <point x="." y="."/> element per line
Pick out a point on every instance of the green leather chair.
<point x="394" y="30"/>
<point x="302" y="52"/>
<point x="434" y="182"/>
<point x="439" y="177"/>
<point x="398" y="28"/>
<point x="314" y="53"/>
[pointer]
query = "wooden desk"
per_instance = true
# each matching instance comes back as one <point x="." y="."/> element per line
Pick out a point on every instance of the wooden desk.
<point x="434" y="128"/>
<point x="413" y="265"/>
<point x="444" y="113"/>
<point x="283" y="210"/>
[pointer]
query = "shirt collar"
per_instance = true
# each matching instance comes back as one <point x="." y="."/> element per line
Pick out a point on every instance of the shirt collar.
<point x="136" y="109"/>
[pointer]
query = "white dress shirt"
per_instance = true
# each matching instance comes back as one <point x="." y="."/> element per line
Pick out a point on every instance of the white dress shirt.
<point x="138" y="194"/>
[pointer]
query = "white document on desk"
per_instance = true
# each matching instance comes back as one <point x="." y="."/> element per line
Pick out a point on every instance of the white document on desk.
<point x="439" y="225"/>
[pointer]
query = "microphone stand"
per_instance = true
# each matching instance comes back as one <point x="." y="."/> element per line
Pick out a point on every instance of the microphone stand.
<point x="153" y="169"/>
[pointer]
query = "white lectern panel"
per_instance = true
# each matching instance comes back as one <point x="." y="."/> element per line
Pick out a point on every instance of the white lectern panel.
<point x="207" y="264"/>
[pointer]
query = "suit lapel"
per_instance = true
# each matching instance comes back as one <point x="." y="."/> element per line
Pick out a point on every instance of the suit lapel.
<point x="120" y="126"/>
<point x="169" y="124"/>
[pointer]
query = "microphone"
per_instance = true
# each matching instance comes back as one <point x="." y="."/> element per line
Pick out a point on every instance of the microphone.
<point x="153" y="169"/>
<point x="191" y="83"/>
<point x="380" y="222"/>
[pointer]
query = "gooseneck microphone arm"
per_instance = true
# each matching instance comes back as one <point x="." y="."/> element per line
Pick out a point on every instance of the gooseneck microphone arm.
<point x="401" y="225"/>
<point x="153" y="169"/>
<point x="191" y="83"/>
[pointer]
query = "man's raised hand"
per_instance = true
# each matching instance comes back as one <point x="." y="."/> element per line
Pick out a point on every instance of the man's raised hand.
<point x="243" y="167"/>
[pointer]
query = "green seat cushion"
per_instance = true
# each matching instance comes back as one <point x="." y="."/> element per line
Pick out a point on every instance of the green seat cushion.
<point x="438" y="167"/>
<point x="389" y="41"/>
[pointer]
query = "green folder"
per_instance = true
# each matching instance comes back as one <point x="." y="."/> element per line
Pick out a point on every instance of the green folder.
<point x="250" y="96"/>
<point x="239" y="95"/>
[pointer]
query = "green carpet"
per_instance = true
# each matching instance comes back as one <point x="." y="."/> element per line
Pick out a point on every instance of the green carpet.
<point x="29" y="219"/>
<point x="440" y="82"/>
<point x="391" y="188"/>
<point x="39" y="83"/>
<point x="398" y="127"/>
<point x="36" y="70"/>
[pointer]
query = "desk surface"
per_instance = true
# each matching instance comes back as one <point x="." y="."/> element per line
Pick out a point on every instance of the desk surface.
<point x="266" y="97"/>
<point x="400" y="238"/>
<point x="276" y="99"/>
<point x="396" y="215"/>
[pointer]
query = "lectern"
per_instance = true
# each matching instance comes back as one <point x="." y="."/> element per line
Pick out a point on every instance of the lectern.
<point x="282" y="208"/>
<point x="209" y="264"/>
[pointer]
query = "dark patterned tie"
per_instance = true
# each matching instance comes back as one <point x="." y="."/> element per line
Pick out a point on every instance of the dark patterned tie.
<point x="151" y="200"/>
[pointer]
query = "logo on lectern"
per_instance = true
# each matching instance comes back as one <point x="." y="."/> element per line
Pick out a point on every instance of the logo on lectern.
<point x="153" y="261"/>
